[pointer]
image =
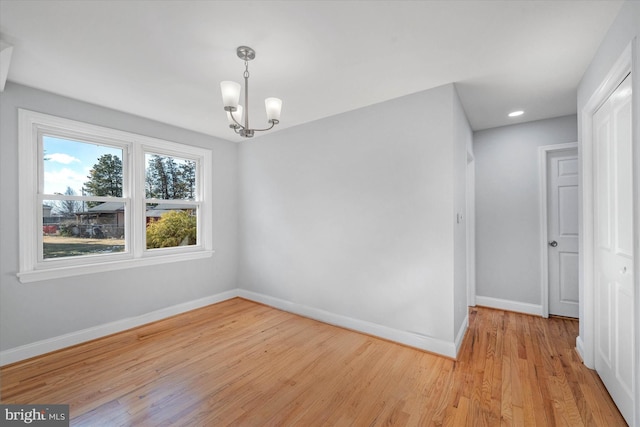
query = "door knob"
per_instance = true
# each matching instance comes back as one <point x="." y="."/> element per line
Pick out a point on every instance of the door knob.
<point x="553" y="244"/>
<point x="623" y="270"/>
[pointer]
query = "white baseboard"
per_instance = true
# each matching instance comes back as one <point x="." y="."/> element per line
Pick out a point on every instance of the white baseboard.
<point x="580" y="347"/>
<point x="504" y="304"/>
<point x="411" y="339"/>
<point x="56" y="343"/>
<point x="461" y="332"/>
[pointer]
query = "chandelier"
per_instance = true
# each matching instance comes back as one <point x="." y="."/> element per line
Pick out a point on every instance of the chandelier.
<point x="231" y="96"/>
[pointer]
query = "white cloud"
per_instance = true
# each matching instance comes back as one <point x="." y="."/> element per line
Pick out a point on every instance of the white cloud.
<point x="65" y="159"/>
<point x="58" y="181"/>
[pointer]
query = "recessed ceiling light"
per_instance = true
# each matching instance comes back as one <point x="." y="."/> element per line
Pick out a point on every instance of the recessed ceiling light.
<point x="516" y="113"/>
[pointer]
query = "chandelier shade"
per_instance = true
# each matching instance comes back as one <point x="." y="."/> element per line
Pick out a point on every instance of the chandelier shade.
<point x="231" y="100"/>
<point x="273" y="107"/>
<point x="230" y="93"/>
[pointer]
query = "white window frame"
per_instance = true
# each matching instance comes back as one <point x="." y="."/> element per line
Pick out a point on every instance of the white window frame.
<point x="31" y="268"/>
<point x="141" y="215"/>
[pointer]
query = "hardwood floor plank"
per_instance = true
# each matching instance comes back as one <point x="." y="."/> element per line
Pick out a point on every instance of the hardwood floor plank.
<point x="246" y="364"/>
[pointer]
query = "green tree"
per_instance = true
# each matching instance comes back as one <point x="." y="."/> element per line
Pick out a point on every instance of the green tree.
<point x="175" y="178"/>
<point x="157" y="178"/>
<point x="174" y="228"/>
<point x="188" y="173"/>
<point x="105" y="178"/>
<point x="168" y="179"/>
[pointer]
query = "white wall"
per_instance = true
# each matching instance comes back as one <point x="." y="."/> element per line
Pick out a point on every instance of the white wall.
<point x="507" y="208"/>
<point x="353" y="215"/>
<point x="43" y="310"/>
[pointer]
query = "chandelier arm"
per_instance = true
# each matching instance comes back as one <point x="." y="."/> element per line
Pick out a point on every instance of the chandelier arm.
<point x="234" y="119"/>
<point x="273" y="123"/>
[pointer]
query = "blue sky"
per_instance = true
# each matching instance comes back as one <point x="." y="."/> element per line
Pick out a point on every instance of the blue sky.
<point x="69" y="163"/>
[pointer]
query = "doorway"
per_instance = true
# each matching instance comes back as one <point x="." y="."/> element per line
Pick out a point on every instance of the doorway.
<point x="558" y="168"/>
<point x="471" y="231"/>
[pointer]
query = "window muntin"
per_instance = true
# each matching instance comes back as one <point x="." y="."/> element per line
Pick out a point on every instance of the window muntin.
<point x="126" y="231"/>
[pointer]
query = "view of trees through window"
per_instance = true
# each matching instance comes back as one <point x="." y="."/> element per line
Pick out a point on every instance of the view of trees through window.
<point x="105" y="178"/>
<point x="170" y="179"/>
<point x="75" y="222"/>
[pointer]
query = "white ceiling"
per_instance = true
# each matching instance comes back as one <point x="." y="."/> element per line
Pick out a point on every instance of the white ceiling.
<point x="164" y="59"/>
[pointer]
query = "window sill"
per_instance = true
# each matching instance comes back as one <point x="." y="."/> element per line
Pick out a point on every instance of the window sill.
<point x="78" y="270"/>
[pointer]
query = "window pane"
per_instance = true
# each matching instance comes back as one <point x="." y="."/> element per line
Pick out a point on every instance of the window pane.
<point x="80" y="168"/>
<point x="169" y="178"/>
<point x="171" y="225"/>
<point x="73" y="232"/>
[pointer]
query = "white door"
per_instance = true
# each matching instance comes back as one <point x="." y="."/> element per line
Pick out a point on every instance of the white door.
<point x="562" y="222"/>
<point x="614" y="261"/>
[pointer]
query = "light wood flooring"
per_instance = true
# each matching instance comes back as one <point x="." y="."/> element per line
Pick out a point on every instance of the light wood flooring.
<point x="246" y="364"/>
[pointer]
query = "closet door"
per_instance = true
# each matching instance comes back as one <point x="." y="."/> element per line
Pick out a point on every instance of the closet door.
<point x="614" y="263"/>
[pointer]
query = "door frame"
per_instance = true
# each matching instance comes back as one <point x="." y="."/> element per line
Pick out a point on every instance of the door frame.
<point x="628" y="62"/>
<point x="543" y="152"/>
<point x="471" y="228"/>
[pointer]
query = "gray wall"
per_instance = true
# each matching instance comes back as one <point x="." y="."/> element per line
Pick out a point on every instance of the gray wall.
<point x="507" y="206"/>
<point x="37" y="311"/>
<point x="354" y="214"/>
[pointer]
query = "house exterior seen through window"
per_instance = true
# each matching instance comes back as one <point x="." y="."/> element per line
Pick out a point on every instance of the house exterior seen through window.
<point x="76" y="221"/>
<point x="97" y="199"/>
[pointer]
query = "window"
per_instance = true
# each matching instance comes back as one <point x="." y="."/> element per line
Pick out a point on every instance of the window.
<point x="171" y="210"/>
<point x="96" y="199"/>
<point x="83" y="207"/>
